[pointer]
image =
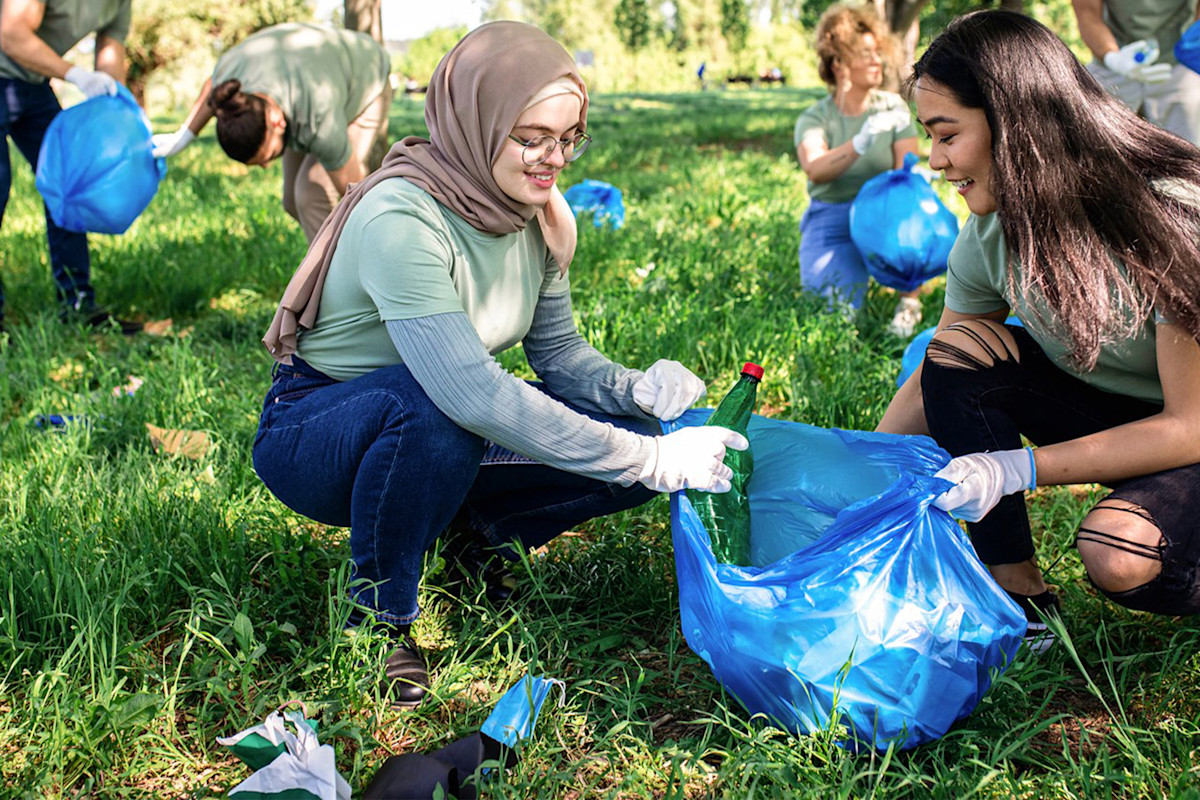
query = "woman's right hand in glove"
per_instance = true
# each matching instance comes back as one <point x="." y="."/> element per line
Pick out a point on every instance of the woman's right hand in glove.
<point x="692" y="458"/>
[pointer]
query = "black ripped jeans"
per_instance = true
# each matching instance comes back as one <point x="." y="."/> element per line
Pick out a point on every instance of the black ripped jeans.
<point x="972" y="406"/>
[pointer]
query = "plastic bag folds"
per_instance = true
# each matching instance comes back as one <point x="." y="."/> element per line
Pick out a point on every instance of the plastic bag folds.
<point x="867" y="606"/>
<point x="1187" y="49"/>
<point x="603" y="200"/>
<point x="95" y="169"/>
<point x="901" y="228"/>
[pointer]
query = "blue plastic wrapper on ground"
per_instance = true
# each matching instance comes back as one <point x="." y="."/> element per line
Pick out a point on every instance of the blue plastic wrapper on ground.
<point x="95" y="169"/>
<point x="601" y="199"/>
<point x="867" y="600"/>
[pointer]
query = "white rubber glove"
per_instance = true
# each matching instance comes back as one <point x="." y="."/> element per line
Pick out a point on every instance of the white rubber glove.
<point x="667" y="390"/>
<point x="897" y="119"/>
<point x="93" y="84"/>
<point x="168" y="144"/>
<point x="1136" y="60"/>
<point x="692" y="458"/>
<point x="983" y="478"/>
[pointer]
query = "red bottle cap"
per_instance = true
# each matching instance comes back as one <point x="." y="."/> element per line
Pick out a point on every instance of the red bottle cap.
<point x="753" y="370"/>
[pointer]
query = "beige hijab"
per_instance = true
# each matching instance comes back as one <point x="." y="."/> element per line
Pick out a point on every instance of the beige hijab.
<point x="475" y="96"/>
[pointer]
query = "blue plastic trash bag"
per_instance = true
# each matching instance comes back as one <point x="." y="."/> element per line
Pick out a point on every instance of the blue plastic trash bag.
<point x="914" y="353"/>
<point x="95" y="170"/>
<point x="603" y="200"/>
<point x="1187" y="49"/>
<point x="514" y="716"/>
<point x="869" y="599"/>
<point x="901" y="228"/>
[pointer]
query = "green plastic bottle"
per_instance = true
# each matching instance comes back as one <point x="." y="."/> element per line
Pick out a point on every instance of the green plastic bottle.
<point x="726" y="516"/>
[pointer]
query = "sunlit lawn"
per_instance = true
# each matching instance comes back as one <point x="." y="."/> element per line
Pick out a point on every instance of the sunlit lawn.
<point x="150" y="603"/>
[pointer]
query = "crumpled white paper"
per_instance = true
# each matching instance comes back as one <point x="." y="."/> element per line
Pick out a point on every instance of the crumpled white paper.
<point x="304" y="764"/>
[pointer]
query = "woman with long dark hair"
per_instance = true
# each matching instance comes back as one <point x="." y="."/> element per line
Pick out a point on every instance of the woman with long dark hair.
<point x="1084" y="223"/>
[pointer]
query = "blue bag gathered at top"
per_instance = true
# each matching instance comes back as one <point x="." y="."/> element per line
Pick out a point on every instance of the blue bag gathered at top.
<point x="1187" y="49"/>
<point x="901" y="228"/>
<point x="869" y="599"/>
<point x="95" y="169"/>
<point x="603" y="200"/>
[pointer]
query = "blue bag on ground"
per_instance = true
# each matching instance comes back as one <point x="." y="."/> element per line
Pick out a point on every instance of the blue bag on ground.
<point x="901" y="228"/>
<point x="1187" y="49"/>
<point x="603" y="200"/>
<point x="869" y="600"/>
<point x="95" y="170"/>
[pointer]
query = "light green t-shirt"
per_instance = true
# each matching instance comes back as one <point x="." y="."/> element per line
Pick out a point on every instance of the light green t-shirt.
<point x="1163" y="20"/>
<point x="322" y="78"/>
<point x="823" y="120"/>
<point x="65" y="22"/>
<point x="977" y="283"/>
<point x="402" y="255"/>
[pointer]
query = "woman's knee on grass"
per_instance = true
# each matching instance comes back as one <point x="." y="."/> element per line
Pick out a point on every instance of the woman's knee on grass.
<point x="972" y="345"/>
<point x="1120" y="545"/>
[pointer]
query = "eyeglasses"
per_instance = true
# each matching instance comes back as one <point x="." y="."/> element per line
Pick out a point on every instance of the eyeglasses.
<point x="538" y="150"/>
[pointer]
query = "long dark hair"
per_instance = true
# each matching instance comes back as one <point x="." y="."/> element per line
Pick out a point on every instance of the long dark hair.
<point x="1089" y="195"/>
<point x="241" y="120"/>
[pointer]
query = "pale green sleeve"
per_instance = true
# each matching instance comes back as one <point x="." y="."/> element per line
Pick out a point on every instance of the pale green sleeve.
<point x="811" y="122"/>
<point x="118" y="29"/>
<point x="329" y="141"/>
<point x="404" y="266"/>
<point x="968" y="288"/>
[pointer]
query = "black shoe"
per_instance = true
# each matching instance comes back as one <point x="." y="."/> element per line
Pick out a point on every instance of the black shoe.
<point x="1038" y="636"/>
<point x="470" y="558"/>
<point x="406" y="675"/>
<point x="103" y="319"/>
<point x="98" y="318"/>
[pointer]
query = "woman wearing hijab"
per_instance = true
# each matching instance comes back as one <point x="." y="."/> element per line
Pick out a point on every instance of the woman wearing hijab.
<point x="388" y="411"/>
<point x="843" y="140"/>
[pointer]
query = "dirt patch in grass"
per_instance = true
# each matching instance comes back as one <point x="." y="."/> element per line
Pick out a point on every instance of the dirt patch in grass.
<point x="1084" y="725"/>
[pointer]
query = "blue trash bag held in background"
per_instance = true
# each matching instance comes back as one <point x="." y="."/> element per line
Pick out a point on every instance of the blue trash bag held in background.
<point x="603" y="200"/>
<point x="95" y="171"/>
<point x="914" y="353"/>
<point x="1187" y="49"/>
<point x="901" y="228"/>
<point x="869" y="599"/>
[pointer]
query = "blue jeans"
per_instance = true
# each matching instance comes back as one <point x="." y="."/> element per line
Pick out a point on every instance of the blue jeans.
<point x="25" y="115"/>
<point x="375" y="454"/>
<point x="830" y="264"/>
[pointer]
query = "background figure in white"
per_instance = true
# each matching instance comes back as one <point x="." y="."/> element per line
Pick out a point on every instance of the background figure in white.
<point x="1159" y="89"/>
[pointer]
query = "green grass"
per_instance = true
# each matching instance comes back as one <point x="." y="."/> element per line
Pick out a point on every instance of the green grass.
<point x="150" y="603"/>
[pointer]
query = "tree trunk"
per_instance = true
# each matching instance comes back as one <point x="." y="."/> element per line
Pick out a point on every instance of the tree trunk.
<point x="903" y="19"/>
<point x="1013" y="5"/>
<point x="364" y="16"/>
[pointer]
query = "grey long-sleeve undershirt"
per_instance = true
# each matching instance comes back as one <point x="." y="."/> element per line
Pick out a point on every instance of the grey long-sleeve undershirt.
<point x="447" y="358"/>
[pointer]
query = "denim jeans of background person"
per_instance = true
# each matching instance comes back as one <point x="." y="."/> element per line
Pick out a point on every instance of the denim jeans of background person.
<point x="34" y="36"/>
<point x="830" y="263"/>
<point x="397" y="471"/>
<point x="26" y="113"/>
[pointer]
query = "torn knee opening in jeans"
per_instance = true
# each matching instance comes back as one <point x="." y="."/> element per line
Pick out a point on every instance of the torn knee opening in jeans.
<point x="945" y="354"/>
